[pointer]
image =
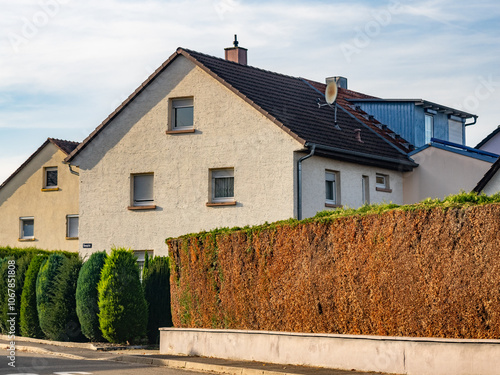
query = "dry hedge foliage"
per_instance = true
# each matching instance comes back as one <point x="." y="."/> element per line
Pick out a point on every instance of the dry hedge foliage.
<point x="422" y="273"/>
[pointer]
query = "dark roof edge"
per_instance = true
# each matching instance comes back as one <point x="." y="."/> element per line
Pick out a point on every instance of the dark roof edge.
<point x="488" y="137"/>
<point x="405" y="165"/>
<point x="32" y="156"/>
<point x="487" y="176"/>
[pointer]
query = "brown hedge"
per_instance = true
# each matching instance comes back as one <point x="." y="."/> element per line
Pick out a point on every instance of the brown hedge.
<point x="422" y="273"/>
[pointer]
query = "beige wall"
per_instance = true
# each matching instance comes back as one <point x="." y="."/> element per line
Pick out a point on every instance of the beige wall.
<point x="441" y="173"/>
<point x="229" y="133"/>
<point x="313" y="180"/>
<point x="22" y="196"/>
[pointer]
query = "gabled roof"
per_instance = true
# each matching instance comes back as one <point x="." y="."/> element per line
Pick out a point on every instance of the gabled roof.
<point x="488" y="137"/>
<point x="290" y="103"/>
<point x="487" y="177"/>
<point x="65" y="146"/>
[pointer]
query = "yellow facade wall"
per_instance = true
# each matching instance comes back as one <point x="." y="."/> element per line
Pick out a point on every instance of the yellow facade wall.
<point x="22" y="196"/>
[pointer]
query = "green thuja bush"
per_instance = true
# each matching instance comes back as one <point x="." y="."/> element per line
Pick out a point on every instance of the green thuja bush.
<point x="87" y="307"/>
<point x="156" y="283"/>
<point x="45" y="286"/>
<point x="29" y="324"/>
<point x="62" y="324"/>
<point x="123" y="310"/>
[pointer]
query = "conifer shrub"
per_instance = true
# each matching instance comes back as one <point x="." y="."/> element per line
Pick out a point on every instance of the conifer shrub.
<point x="4" y="294"/>
<point x="45" y="286"/>
<point x="123" y="310"/>
<point x="29" y="323"/>
<point x="156" y="283"/>
<point x="61" y="323"/>
<point x="87" y="307"/>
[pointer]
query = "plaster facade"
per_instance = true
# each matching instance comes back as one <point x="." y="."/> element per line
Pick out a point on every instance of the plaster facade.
<point x="22" y="196"/>
<point x="493" y="145"/>
<point x="350" y="187"/>
<point x="228" y="134"/>
<point x="493" y="185"/>
<point x="441" y="173"/>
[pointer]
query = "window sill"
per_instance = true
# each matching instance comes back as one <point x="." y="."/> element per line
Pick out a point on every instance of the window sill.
<point x="329" y="205"/>
<point x="182" y="131"/>
<point x="26" y="239"/>
<point x="221" y="204"/>
<point x="50" y="189"/>
<point x="384" y="190"/>
<point x="71" y="238"/>
<point x="141" y="208"/>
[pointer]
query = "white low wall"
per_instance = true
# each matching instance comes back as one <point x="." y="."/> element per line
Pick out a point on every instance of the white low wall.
<point x="397" y="355"/>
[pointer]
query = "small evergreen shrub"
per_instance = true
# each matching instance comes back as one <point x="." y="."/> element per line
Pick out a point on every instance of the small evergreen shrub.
<point x="45" y="286"/>
<point x="4" y="294"/>
<point x="87" y="307"/>
<point x="29" y="324"/>
<point x="156" y="283"/>
<point x="62" y="323"/>
<point x="123" y="310"/>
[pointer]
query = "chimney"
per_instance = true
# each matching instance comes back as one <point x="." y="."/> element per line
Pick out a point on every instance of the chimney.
<point x="358" y="135"/>
<point x="236" y="54"/>
<point x="341" y="81"/>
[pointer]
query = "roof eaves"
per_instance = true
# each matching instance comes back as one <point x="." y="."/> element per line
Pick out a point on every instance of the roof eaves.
<point x="122" y="106"/>
<point x="244" y="97"/>
<point x="488" y="137"/>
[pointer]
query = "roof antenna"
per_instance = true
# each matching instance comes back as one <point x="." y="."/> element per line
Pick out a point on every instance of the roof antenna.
<point x="331" y="93"/>
<point x="235" y="43"/>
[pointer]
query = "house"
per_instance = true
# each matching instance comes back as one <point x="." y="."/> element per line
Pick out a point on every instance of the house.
<point x="207" y="142"/>
<point x="39" y="201"/>
<point x="491" y="142"/>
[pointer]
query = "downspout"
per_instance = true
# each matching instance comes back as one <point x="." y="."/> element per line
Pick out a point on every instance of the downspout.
<point x="472" y="123"/>
<point x="71" y="170"/>
<point x="299" y="181"/>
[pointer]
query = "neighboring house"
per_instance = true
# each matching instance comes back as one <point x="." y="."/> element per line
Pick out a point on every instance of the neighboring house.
<point x="491" y="142"/>
<point x="490" y="183"/>
<point x="418" y="120"/>
<point x="206" y="142"/>
<point x="444" y="168"/>
<point x="39" y="201"/>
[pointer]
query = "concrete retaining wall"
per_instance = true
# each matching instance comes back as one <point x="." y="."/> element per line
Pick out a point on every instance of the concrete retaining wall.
<point x="397" y="355"/>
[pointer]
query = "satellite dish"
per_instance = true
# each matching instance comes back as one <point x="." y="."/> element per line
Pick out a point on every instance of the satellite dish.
<point x="331" y="92"/>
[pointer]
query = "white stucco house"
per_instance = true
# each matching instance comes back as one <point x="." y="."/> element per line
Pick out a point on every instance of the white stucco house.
<point x="207" y="142"/>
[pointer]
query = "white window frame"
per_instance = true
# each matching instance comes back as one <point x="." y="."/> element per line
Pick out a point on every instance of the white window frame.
<point x="68" y="221"/>
<point x="220" y="173"/>
<point x="45" y="172"/>
<point x="333" y="178"/>
<point x="180" y="103"/>
<point x="383" y="186"/>
<point x="142" y="202"/>
<point x="21" y="228"/>
<point x="429" y="128"/>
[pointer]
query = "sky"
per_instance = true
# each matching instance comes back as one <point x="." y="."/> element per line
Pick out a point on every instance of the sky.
<point x="65" y="65"/>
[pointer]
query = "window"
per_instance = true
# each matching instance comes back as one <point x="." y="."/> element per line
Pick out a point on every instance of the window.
<point x="50" y="178"/>
<point x="143" y="190"/>
<point x="382" y="183"/>
<point x="429" y="128"/>
<point x="182" y="114"/>
<point x="141" y="257"/>
<point x="72" y="226"/>
<point x="27" y="230"/>
<point x="222" y="185"/>
<point x="331" y="188"/>
<point x="455" y="131"/>
<point x="365" y="189"/>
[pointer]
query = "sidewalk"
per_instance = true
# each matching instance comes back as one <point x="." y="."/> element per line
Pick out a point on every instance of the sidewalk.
<point x="90" y="351"/>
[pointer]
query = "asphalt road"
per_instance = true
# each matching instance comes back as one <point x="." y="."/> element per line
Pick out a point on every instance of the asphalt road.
<point x="43" y="364"/>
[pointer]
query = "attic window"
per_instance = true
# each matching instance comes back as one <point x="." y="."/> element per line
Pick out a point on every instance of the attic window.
<point x="182" y="114"/>
<point x="50" y="178"/>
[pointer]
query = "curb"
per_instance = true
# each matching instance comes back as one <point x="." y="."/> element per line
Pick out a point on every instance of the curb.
<point x="199" y="366"/>
<point x="33" y="349"/>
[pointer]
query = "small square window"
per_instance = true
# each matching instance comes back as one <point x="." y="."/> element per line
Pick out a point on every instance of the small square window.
<point x="222" y="185"/>
<point x="72" y="222"/>
<point x="182" y="114"/>
<point x="27" y="228"/>
<point x="382" y="183"/>
<point x="143" y="189"/>
<point x="50" y="177"/>
<point x="331" y="188"/>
